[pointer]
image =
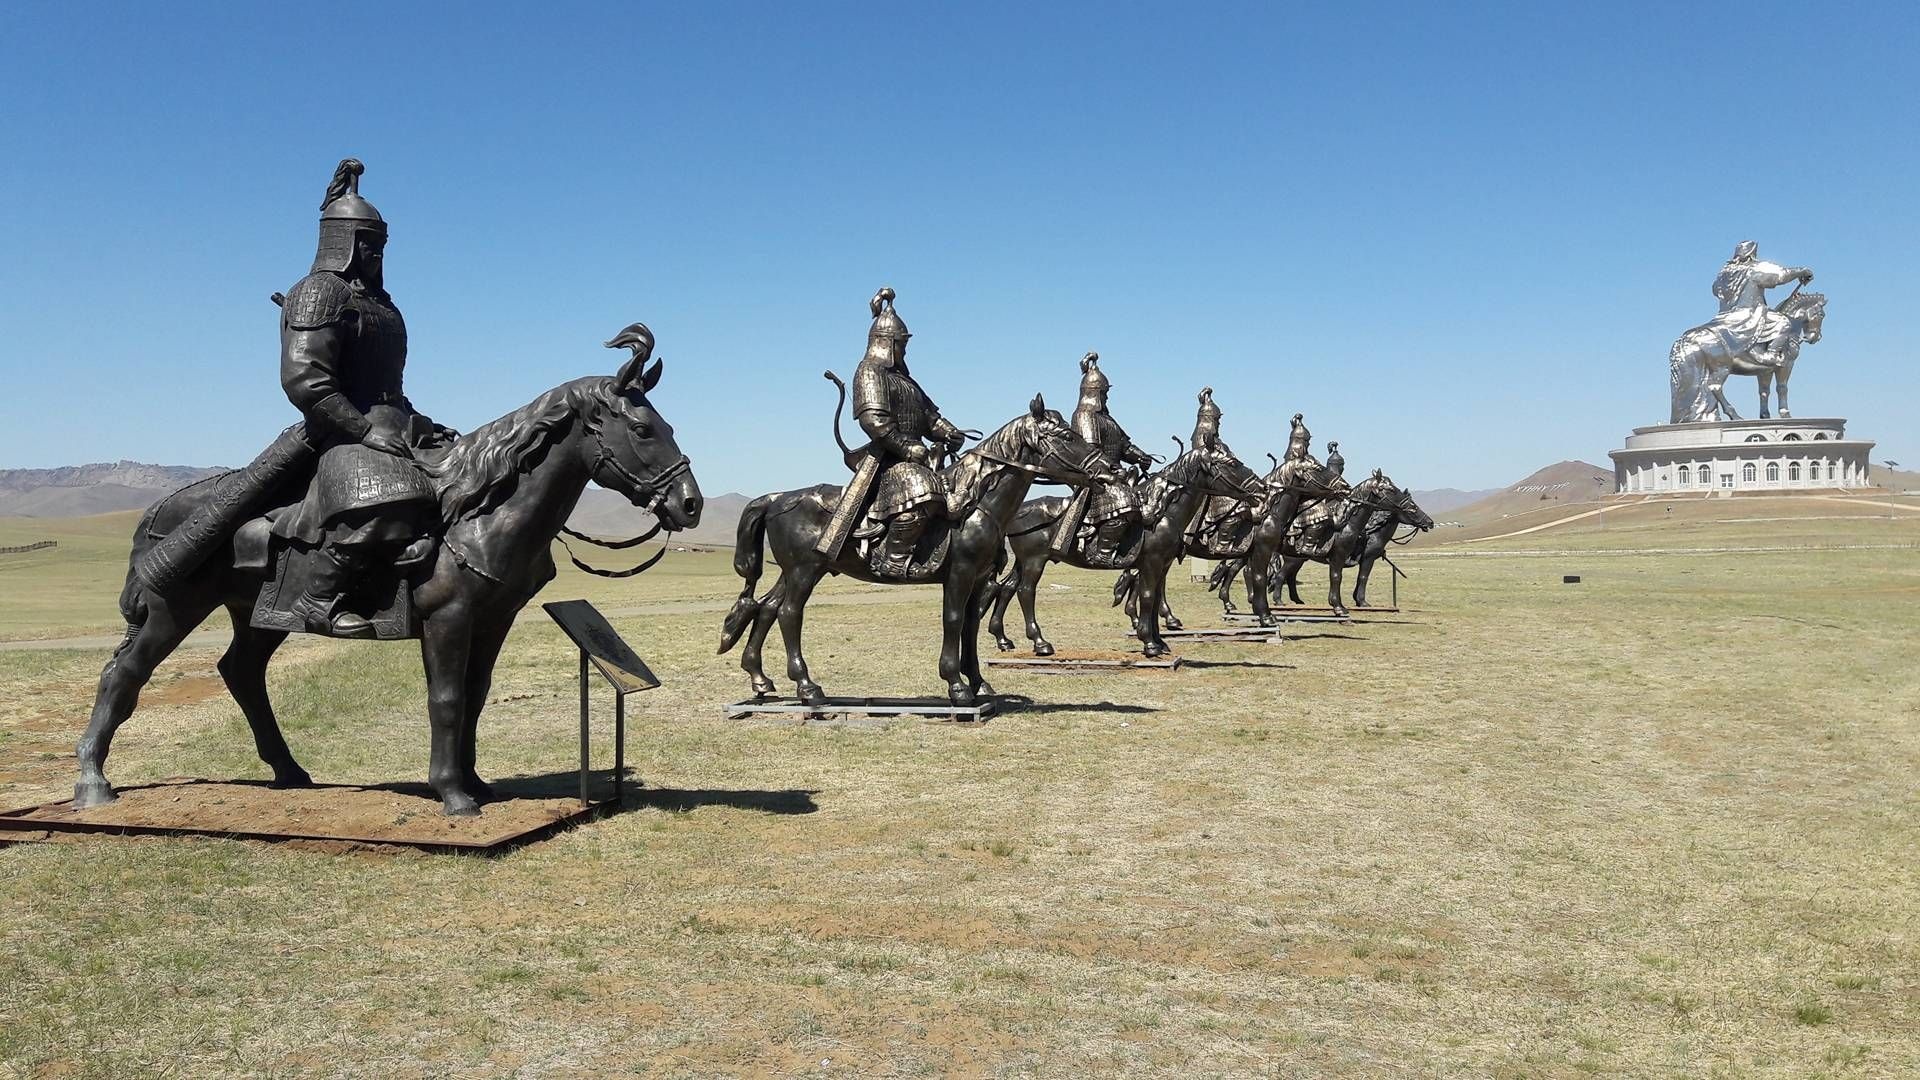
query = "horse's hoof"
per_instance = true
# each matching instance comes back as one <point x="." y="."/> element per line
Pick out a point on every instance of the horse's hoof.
<point x="88" y="795"/>
<point x="478" y="788"/>
<point x="1341" y="611"/>
<point x="961" y="695"/>
<point x="762" y="686"/>
<point x="1003" y="644"/>
<point x="983" y="689"/>
<point x="1043" y="647"/>
<point x="293" y="777"/>
<point x="1176" y="624"/>
<point x="812" y="695"/>
<point x="1230" y="609"/>
<point x="1153" y="649"/>
<point x="459" y="804"/>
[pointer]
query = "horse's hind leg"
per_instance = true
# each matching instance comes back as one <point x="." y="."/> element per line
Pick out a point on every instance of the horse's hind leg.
<point x="1002" y="593"/>
<point x="1167" y="618"/>
<point x="244" y="668"/>
<point x="488" y="637"/>
<point x="1029" y="601"/>
<point x="1765" y="379"/>
<point x="798" y="583"/>
<point x="763" y="616"/>
<point x="126" y="672"/>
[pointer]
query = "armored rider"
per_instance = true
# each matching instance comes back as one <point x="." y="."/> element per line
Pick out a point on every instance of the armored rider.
<point x="1115" y="506"/>
<point x="1206" y="423"/>
<point x="1336" y="464"/>
<point x="1746" y="323"/>
<point x="899" y="418"/>
<point x="343" y="349"/>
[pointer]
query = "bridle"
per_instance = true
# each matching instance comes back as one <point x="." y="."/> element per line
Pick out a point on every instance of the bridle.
<point x="652" y="487"/>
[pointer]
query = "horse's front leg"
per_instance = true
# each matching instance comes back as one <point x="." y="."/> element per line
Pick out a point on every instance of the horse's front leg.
<point x="488" y="637"/>
<point x="446" y="644"/>
<point x="1259" y="565"/>
<point x="1029" y="601"/>
<point x="956" y="615"/>
<point x="1765" y="379"/>
<point x="1786" y="369"/>
<point x="970" y="639"/>
<point x="1336" y="564"/>
<point x="1360" y="575"/>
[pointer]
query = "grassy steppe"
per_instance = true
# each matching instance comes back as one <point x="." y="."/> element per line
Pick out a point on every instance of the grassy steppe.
<point x="1659" y="823"/>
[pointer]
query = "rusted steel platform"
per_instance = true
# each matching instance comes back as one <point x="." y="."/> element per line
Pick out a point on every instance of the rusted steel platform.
<point x="1083" y="660"/>
<point x="403" y="815"/>
<point x="862" y="706"/>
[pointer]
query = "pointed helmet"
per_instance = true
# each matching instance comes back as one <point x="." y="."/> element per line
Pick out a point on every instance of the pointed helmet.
<point x="1300" y="440"/>
<point x="343" y="215"/>
<point x="1093" y="381"/>
<point x="1336" y="464"/>
<point x="1206" y="421"/>
<point x="887" y="328"/>
<point x="1745" y="251"/>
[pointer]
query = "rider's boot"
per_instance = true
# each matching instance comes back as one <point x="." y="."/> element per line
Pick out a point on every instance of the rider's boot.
<point x="320" y="604"/>
<point x="1107" y="538"/>
<point x="903" y="535"/>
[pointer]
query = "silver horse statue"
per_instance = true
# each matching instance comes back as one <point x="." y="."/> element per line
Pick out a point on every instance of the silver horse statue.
<point x="1747" y="337"/>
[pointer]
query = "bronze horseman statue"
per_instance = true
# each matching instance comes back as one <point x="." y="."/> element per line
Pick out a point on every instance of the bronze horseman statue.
<point x="1747" y="337"/>
<point x="1122" y="529"/>
<point x="899" y="418"/>
<point x="1112" y="508"/>
<point x="366" y="519"/>
<point x="924" y="523"/>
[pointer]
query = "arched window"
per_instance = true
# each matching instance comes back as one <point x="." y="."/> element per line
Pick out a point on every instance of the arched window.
<point x="1748" y="473"/>
<point x="1819" y="436"/>
<point x="1773" y="472"/>
<point x="1791" y="436"/>
<point x="1756" y="437"/>
<point x="1793" y="472"/>
<point x="1829" y="470"/>
<point x="1686" y="476"/>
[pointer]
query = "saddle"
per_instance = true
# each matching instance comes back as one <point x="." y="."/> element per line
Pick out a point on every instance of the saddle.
<point x="1226" y="534"/>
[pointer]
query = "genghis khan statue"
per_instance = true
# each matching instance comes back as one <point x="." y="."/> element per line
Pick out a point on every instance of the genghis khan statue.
<point x="1114" y="507"/>
<point x="900" y="419"/>
<point x="343" y="349"/>
<point x="1746" y="324"/>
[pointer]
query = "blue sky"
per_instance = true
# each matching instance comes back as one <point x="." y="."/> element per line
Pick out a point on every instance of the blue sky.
<point x="1461" y="241"/>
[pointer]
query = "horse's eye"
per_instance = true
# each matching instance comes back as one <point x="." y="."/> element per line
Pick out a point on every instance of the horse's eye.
<point x="642" y="430"/>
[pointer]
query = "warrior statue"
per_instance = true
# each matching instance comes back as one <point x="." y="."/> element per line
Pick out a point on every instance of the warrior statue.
<point x="1300" y="441"/>
<point x="1747" y="337"/>
<point x="1336" y="464"/>
<point x="343" y="347"/>
<point x="899" y="418"/>
<point x="1113" y="507"/>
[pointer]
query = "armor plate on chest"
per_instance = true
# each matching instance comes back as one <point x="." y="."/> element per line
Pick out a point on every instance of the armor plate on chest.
<point x="376" y="361"/>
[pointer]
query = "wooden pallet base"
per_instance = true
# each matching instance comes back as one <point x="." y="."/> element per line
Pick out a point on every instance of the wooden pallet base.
<point x="1254" y="634"/>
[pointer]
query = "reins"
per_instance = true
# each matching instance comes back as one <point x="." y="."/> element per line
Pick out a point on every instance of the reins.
<point x="655" y="489"/>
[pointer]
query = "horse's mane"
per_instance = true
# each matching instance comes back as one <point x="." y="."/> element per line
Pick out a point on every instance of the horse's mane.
<point x="966" y="474"/>
<point x="1802" y="302"/>
<point x="483" y="466"/>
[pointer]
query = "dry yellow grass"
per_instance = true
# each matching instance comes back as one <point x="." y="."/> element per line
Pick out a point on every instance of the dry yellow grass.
<point x="1659" y="823"/>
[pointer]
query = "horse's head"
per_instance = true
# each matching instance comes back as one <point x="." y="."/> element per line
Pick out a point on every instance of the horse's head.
<point x="633" y="447"/>
<point x="1408" y="512"/>
<point x="1809" y="309"/>
<point x="1042" y="441"/>
<point x="1214" y="470"/>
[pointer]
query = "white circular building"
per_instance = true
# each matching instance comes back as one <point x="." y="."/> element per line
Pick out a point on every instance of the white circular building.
<point x="1741" y="455"/>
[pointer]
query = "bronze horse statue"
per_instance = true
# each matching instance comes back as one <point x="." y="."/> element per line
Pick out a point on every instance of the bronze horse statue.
<point x="1250" y="529"/>
<point x="987" y="485"/>
<point x="1173" y="495"/>
<point x="1356" y="534"/>
<point x="504" y="492"/>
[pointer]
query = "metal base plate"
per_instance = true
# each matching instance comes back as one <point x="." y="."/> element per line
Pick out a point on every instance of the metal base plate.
<point x="402" y="815"/>
<point x="1257" y="634"/>
<point x="1083" y="660"/>
<point x="1291" y="617"/>
<point x="863" y="706"/>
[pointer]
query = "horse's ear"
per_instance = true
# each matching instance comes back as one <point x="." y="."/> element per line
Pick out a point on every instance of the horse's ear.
<point x="1378" y="475"/>
<point x="1038" y="406"/>
<point x="652" y="377"/>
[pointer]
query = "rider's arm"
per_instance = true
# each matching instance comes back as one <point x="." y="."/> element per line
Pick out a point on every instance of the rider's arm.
<point x="1137" y="456"/>
<point x="1767" y="275"/>
<point x="307" y="375"/>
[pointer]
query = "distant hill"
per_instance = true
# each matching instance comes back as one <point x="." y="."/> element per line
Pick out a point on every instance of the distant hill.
<point x="83" y="490"/>
<point x="1895" y="479"/>
<point x="608" y="514"/>
<point x="1554" y="487"/>
<point x="1445" y="500"/>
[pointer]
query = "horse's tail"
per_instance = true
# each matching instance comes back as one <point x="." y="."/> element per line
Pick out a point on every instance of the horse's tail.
<point x="748" y="561"/>
<point x="1223" y="574"/>
<point x="1687" y="375"/>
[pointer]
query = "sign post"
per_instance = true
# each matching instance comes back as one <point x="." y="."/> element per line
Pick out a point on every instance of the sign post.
<point x="602" y="648"/>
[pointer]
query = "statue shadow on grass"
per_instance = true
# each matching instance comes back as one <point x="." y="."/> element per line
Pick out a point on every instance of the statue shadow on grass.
<point x="1262" y="664"/>
<point x="566" y="784"/>
<point x="1013" y="703"/>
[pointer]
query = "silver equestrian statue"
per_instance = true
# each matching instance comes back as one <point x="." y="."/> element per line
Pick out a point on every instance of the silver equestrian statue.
<point x="1747" y="337"/>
